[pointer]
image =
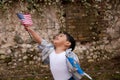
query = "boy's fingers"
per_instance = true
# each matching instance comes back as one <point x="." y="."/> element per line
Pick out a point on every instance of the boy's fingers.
<point x="26" y="28"/>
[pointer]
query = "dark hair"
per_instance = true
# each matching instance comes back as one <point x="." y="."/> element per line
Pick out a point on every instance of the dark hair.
<point x="71" y="40"/>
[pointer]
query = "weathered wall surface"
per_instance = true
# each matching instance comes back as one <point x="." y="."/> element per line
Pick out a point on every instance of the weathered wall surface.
<point x="96" y="30"/>
<point x="74" y="18"/>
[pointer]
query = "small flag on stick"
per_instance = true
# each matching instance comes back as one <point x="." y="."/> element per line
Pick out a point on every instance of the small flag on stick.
<point x="25" y="19"/>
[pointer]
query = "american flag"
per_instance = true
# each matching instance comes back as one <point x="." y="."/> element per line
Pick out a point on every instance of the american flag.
<point x="25" y="19"/>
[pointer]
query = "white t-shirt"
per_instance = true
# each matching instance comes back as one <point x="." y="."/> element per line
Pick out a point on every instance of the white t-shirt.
<point x="58" y="66"/>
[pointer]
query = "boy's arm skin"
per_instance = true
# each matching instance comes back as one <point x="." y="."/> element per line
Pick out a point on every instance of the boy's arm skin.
<point x="37" y="38"/>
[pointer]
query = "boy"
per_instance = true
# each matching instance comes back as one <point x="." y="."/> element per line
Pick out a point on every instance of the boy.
<point x="64" y="64"/>
<point x="55" y="53"/>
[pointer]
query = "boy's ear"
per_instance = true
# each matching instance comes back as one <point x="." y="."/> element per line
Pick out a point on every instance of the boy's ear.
<point x="68" y="43"/>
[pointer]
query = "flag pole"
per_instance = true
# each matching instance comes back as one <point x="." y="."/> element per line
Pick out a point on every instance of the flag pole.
<point x="28" y="31"/>
<point x="29" y="34"/>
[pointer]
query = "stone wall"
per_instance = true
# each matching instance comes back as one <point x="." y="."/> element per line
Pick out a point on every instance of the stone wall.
<point x="97" y="35"/>
<point x="95" y="28"/>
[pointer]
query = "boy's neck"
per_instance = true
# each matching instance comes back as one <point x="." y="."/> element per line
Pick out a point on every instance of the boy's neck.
<point x="59" y="50"/>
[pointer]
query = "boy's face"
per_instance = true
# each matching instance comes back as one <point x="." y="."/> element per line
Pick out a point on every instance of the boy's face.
<point x="61" y="39"/>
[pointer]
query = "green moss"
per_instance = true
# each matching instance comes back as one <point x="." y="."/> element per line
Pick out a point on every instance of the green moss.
<point x="116" y="76"/>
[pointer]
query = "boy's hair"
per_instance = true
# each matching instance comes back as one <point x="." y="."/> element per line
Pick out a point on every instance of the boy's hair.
<point x="71" y="40"/>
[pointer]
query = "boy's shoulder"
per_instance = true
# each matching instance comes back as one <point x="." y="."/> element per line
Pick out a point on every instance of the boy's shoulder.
<point x="70" y="53"/>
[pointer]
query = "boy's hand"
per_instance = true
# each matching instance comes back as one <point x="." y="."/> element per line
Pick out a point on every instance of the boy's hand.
<point x="25" y="25"/>
<point x="27" y="28"/>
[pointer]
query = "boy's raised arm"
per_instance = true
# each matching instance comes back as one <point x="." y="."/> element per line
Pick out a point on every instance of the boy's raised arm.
<point x="37" y="38"/>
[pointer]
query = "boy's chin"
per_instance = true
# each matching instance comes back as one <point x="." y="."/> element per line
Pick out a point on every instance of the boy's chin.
<point x="56" y="43"/>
